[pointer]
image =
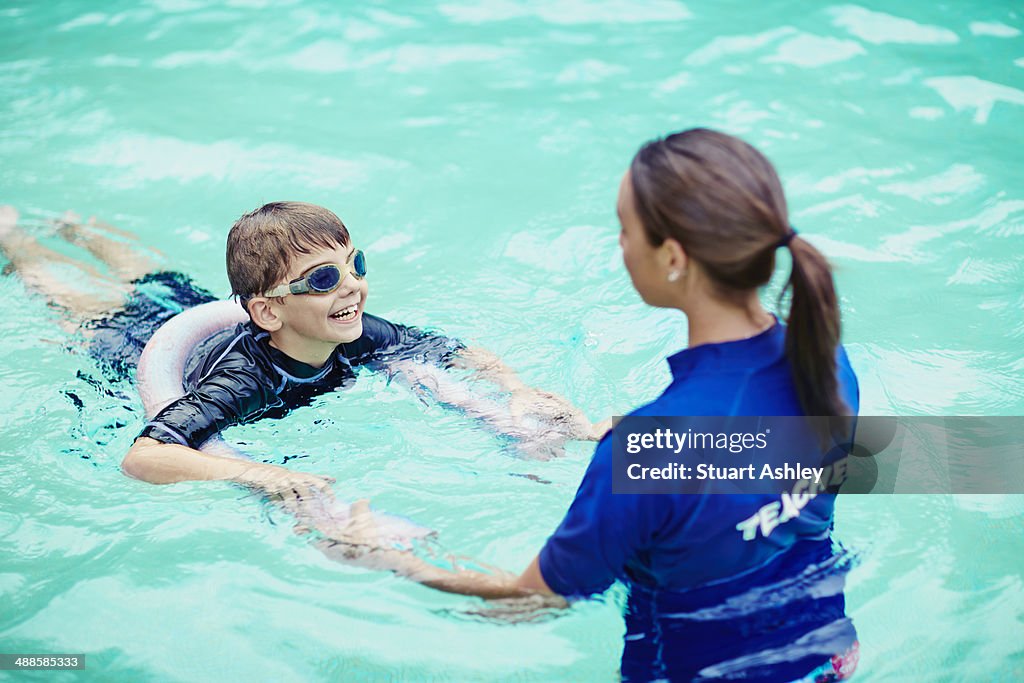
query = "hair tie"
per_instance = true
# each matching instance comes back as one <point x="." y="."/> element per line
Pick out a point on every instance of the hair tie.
<point x="787" y="238"/>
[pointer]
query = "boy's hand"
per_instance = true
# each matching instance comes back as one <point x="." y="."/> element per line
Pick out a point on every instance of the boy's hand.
<point x="553" y="408"/>
<point x="285" y="483"/>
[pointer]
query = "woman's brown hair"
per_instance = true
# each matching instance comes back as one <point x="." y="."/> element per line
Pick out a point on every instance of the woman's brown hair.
<point x="723" y="202"/>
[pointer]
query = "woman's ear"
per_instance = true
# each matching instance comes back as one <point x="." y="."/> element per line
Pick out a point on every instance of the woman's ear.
<point x="263" y="313"/>
<point x="674" y="258"/>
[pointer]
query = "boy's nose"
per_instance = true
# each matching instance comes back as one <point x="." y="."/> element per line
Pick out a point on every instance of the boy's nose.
<point x="347" y="285"/>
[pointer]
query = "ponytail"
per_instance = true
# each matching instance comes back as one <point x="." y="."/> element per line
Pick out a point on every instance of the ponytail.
<point x="722" y="200"/>
<point x="813" y="331"/>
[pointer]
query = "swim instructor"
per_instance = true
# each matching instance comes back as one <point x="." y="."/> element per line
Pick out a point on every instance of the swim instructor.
<point x="703" y="215"/>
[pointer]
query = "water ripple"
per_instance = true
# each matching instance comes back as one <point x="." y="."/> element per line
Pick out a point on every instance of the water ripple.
<point x="143" y="158"/>
<point x="879" y="28"/>
<point x="728" y="46"/>
<point x="567" y="11"/>
<point x="993" y="29"/>
<point x="813" y="51"/>
<point x="969" y="92"/>
<point x="942" y="188"/>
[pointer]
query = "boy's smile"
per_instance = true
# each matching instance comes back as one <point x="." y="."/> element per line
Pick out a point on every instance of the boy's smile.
<point x="347" y="315"/>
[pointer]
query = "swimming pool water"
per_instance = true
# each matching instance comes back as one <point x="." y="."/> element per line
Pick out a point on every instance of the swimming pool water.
<point x="474" y="150"/>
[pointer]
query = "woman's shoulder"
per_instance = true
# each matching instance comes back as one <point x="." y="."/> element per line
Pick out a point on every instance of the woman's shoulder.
<point x="849" y="386"/>
<point x="674" y="401"/>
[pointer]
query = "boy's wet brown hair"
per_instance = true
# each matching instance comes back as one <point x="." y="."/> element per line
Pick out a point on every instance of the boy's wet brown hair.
<point x="263" y="244"/>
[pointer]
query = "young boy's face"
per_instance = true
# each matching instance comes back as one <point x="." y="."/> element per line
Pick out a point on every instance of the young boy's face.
<point x="332" y="318"/>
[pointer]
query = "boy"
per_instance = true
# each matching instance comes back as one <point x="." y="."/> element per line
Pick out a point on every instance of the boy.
<point x="303" y="284"/>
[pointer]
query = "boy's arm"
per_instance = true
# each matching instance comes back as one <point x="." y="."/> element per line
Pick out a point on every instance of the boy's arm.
<point x="403" y="346"/>
<point x="490" y="367"/>
<point x="162" y="463"/>
<point x="237" y="388"/>
<point x="527" y="399"/>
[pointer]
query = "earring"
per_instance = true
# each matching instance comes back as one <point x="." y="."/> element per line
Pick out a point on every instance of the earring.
<point x="673" y="275"/>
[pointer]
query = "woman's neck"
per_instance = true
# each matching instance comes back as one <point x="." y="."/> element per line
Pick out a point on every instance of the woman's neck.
<point x="713" y="322"/>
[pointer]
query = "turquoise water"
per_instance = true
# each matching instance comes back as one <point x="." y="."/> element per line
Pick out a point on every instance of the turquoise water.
<point x="474" y="150"/>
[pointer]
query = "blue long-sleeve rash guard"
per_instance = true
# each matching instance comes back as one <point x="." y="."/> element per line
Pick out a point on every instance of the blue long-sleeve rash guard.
<point x="684" y="557"/>
<point x="238" y="377"/>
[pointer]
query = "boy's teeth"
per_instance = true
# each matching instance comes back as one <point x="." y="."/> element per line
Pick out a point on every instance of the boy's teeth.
<point x="346" y="312"/>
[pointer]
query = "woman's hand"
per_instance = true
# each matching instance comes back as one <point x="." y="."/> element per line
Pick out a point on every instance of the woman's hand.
<point x="599" y="429"/>
<point x="363" y="541"/>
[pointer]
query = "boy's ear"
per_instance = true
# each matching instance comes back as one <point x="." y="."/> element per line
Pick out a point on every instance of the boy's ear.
<point x="264" y="315"/>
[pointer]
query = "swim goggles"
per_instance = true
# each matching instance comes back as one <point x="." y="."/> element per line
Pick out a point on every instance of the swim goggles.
<point x="323" y="279"/>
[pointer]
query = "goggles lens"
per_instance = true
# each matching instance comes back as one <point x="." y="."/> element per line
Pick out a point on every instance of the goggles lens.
<point x="358" y="261"/>
<point x="327" y="278"/>
<point x="324" y="278"/>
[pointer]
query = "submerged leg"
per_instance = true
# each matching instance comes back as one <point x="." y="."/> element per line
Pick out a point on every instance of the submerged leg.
<point x="77" y="287"/>
<point x="120" y="250"/>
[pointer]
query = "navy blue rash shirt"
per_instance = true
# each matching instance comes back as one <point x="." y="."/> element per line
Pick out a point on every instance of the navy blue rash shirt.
<point x="683" y="557"/>
<point x="238" y="378"/>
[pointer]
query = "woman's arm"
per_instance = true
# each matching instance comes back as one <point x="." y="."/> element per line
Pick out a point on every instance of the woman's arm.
<point x="361" y="543"/>
<point x="489" y="586"/>
<point x="589" y="549"/>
